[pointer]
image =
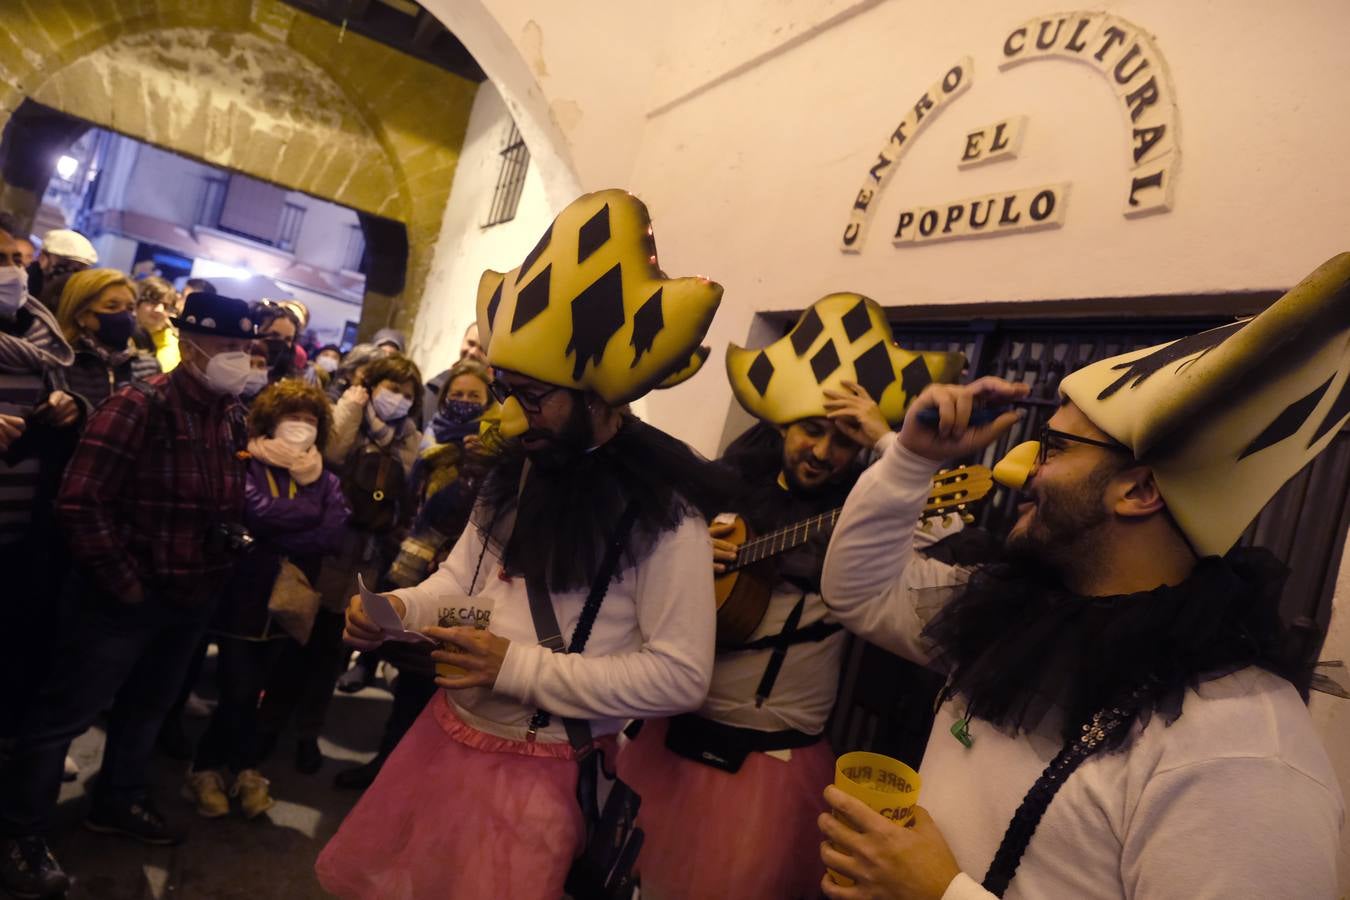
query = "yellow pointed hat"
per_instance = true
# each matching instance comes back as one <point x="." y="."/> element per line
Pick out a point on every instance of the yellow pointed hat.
<point x="1226" y="417"/>
<point x="840" y="337"/>
<point x="590" y="309"/>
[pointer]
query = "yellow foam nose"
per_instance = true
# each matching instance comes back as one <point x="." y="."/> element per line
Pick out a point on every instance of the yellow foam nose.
<point x="1013" y="470"/>
<point x="514" y="422"/>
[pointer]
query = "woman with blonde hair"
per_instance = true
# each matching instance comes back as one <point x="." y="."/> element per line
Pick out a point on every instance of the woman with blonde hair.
<point x="97" y="316"/>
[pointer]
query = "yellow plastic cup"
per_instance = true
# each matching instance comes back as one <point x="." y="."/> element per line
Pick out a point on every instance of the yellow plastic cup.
<point x="886" y="785"/>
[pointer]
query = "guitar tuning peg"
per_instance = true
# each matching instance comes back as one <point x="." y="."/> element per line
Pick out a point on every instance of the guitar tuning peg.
<point x="968" y="519"/>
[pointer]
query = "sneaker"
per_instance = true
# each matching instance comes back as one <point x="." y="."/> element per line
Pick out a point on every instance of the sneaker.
<point x="251" y="788"/>
<point x="206" y="789"/>
<point x="357" y="678"/>
<point x="138" y="819"/>
<point x="308" y="759"/>
<point x="360" y="777"/>
<point x="72" y="769"/>
<point x="197" y="708"/>
<point x="28" y="870"/>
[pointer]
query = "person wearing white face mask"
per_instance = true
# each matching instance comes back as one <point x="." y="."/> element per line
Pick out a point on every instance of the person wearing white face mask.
<point x="37" y="434"/>
<point x="296" y="512"/>
<point x="152" y="503"/>
<point x="373" y="444"/>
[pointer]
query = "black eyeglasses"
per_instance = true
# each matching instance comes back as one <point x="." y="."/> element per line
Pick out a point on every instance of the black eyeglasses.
<point x="530" y="402"/>
<point x="1047" y="433"/>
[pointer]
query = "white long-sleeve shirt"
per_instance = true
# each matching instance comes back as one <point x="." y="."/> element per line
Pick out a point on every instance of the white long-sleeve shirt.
<point x="803" y="695"/>
<point x="1236" y="799"/>
<point x="650" y="652"/>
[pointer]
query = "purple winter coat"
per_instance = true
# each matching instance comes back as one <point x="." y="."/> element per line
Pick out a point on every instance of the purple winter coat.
<point x="303" y="529"/>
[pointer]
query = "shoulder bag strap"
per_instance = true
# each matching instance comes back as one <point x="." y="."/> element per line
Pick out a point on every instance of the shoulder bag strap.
<point x="549" y="632"/>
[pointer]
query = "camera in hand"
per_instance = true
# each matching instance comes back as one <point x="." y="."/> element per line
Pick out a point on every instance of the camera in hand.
<point x="229" y="539"/>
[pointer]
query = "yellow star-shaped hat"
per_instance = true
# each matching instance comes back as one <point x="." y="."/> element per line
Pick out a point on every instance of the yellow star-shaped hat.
<point x="590" y="309"/>
<point x="1224" y="418"/>
<point x="841" y="337"/>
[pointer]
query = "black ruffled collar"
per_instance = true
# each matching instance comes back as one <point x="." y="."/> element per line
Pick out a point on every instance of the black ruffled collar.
<point x="1018" y="647"/>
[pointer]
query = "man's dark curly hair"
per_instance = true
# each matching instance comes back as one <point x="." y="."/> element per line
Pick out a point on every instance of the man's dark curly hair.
<point x="287" y="397"/>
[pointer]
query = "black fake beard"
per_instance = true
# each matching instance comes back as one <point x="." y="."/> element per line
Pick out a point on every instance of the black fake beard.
<point x="558" y="525"/>
<point x="1026" y="654"/>
<point x="566" y="447"/>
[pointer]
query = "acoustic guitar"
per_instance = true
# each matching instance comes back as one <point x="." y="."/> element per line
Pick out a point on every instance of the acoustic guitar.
<point x="744" y="589"/>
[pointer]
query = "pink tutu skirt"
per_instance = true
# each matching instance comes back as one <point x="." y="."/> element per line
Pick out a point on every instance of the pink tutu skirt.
<point x="711" y="834"/>
<point x="457" y="814"/>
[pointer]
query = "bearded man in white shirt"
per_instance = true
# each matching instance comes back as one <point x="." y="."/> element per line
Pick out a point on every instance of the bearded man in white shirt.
<point x="1124" y="653"/>
<point x="588" y="514"/>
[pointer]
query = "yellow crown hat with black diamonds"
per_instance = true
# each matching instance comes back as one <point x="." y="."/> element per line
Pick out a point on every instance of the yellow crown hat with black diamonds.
<point x="841" y="337"/>
<point x="1225" y="417"/>
<point x="590" y="309"/>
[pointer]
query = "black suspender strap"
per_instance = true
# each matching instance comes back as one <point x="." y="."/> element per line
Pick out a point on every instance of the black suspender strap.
<point x="548" y="630"/>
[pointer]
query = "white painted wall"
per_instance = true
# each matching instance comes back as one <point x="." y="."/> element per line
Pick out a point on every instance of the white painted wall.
<point x="466" y="248"/>
<point x="748" y="127"/>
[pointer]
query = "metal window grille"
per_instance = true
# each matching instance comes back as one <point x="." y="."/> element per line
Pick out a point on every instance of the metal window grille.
<point x="510" y="178"/>
<point x="292" y="220"/>
<point x="886" y="703"/>
<point x="213" y="198"/>
<point x="355" y="258"/>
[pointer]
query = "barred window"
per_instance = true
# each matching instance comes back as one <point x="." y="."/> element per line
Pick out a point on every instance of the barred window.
<point x="292" y="220"/>
<point x="354" y="258"/>
<point x="510" y="178"/>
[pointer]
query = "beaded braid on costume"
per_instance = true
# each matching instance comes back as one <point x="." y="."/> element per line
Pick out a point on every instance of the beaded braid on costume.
<point x="1105" y="722"/>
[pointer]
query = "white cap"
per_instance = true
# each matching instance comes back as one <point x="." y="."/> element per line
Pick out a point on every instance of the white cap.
<point x="71" y="245"/>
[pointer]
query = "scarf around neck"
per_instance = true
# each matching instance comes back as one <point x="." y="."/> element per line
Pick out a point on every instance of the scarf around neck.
<point x="304" y="467"/>
<point x="40" y="347"/>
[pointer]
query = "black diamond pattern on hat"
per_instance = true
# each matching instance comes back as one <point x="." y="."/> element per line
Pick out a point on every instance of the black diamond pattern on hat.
<point x="647" y="324"/>
<point x="593" y="234"/>
<point x="873" y="370"/>
<point x="1338" y="411"/>
<point x="825" y="362"/>
<point x="856" y="322"/>
<point x="1137" y="371"/>
<point x="494" y="302"/>
<point x="597" y="313"/>
<point x="806" y="332"/>
<point x="761" y="370"/>
<point x="1290" y="420"/>
<point x="532" y="299"/>
<point x="914" y="378"/>
<point x="534" y="254"/>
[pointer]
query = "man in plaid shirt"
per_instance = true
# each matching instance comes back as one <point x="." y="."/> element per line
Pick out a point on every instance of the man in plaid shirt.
<point x="149" y="502"/>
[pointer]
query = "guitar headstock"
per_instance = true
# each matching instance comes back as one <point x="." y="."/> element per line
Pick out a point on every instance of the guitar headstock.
<point x="954" y="489"/>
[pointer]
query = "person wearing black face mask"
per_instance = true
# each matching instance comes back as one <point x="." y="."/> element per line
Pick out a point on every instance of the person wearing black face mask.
<point x="278" y="328"/>
<point x="97" y="316"/>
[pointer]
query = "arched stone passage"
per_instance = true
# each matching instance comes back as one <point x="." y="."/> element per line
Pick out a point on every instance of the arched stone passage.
<point x="260" y="88"/>
<point x="239" y="101"/>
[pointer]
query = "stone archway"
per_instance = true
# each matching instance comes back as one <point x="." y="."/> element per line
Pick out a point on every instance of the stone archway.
<point x="262" y="89"/>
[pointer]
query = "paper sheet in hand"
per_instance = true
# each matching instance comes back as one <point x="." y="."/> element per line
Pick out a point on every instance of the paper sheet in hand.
<point x="384" y="615"/>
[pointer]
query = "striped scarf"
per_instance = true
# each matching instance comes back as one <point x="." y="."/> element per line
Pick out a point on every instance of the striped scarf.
<point x="41" y="346"/>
